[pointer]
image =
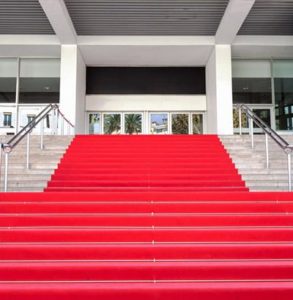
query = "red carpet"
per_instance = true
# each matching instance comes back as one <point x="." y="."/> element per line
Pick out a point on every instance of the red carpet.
<point x="142" y="230"/>
<point x="146" y="163"/>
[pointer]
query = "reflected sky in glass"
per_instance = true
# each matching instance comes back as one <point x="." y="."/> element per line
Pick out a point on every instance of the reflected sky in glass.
<point x="159" y="118"/>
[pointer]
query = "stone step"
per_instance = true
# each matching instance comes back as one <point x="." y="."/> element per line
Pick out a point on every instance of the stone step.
<point x="42" y="163"/>
<point x="27" y="177"/>
<point x="33" y="161"/>
<point x="268" y="182"/>
<point x="26" y="172"/>
<point x="251" y="163"/>
<point x="261" y="177"/>
<point x="34" y="165"/>
<point x="24" y="189"/>
<point x="264" y="171"/>
<point x="268" y="189"/>
<point x="35" y="184"/>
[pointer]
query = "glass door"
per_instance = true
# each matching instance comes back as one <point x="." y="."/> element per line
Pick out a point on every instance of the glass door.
<point x="115" y="123"/>
<point x="94" y="123"/>
<point x="177" y="123"/>
<point x="132" y="123"/>
<point x="145" y="122"/>
<point x="197" y="123"/>
<point x="265" y="113"/>
<point x="112" y="123"/>
<point x="180" y="123"/>
<point x="159" y="123"/>
<point x="244" y="121"/>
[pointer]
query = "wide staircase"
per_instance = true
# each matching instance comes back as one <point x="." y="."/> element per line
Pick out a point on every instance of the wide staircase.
<point x="144" y="163"/>
<point x="112" y="227"/>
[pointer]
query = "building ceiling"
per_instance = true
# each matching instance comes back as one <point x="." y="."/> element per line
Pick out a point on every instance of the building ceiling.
<point x="269" y="17"/>
<point x="23" y="17"/>
<point x="146" y="17"/>
<point x="152" y="17"/>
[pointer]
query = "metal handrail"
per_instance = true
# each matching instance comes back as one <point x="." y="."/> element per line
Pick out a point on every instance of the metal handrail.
<point x="25" y="132"/>
<point x="63" y="116"/>
<point x="13" y="142"/>
<point x="269" y="132"/>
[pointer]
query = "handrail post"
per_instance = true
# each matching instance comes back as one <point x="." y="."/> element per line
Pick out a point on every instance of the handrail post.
<point x="289" y="172"/>
<point x="52" y="123"/>
<point x="62" y="125"/>
<point x="58" y="123"/>
<point x="28" y="150"/>
<point x="251" y="132"/>
<point x="55" y="120"/>
<point x="55" y="123"/>
<point x="267" y="150"/>
<point x="6" y="172"/>
<point x="240" y="120"/>
<point x="42" y="135"/>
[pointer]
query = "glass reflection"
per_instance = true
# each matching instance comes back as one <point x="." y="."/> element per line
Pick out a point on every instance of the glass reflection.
<point x="197" y="123"/>
<point x="94" y="123"/>
<point x="284" y="103"/>
<point x="112" y="123"/>
<point x="133" y="123"/>
<point x="159" y="123"/>
<point x="252" y="90"/>
<point x="39" y="80"/>
<point x="8" y="72"/>
<point x="180" y="124"/>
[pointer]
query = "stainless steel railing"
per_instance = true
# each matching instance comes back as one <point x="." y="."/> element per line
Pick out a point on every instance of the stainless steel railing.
<point x="7" y="147"/>
<point x="269" y="132"/>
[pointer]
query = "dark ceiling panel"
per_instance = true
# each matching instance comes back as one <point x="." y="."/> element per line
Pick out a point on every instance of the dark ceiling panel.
<point x="269" y="17"/>
<point x="23" y="17"/>
<point x="141" y="17"/>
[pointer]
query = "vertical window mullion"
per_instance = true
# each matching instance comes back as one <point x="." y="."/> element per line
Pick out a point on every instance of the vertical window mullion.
<point x="17" y="96"/>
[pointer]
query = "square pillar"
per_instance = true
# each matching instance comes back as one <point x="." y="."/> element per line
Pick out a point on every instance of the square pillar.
<point x="219" y="91"/>
<point x="72" y="86"/>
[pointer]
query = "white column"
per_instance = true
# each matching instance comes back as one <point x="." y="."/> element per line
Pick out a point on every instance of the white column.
<point x="72" y="86"/>
<point x="219" y="91"/>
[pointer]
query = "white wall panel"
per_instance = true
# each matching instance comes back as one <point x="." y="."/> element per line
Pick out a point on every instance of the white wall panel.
<point x="251" y="69"/>
<point x="145" y="103"/>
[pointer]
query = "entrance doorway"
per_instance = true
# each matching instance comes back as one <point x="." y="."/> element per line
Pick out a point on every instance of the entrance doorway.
<point x="264" y="112"/>
<point x="146" y="122"/>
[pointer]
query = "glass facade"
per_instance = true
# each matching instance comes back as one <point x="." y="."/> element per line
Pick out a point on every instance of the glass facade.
<point x="26" y="86"/>
<point x="252" y="82"/>
<point x="127" y="122"/>
<point x="8" y="75"/>
<point x="197" y="123"/>
<point x="7" y="119"/>
<point x="94" y="123"/>
<point x="252" y="90"/>
<point x="112" y="123"/>
<point x="159" y="123"/>
<point x="133" y="123"/>
<point x="180" y="124"/>
<point x="39" y="80"/>
<point x="283" y="84"/>
<point x="267" y="87"/>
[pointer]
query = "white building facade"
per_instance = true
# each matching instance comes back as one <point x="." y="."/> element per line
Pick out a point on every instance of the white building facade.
<point x="246" y="57"/>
